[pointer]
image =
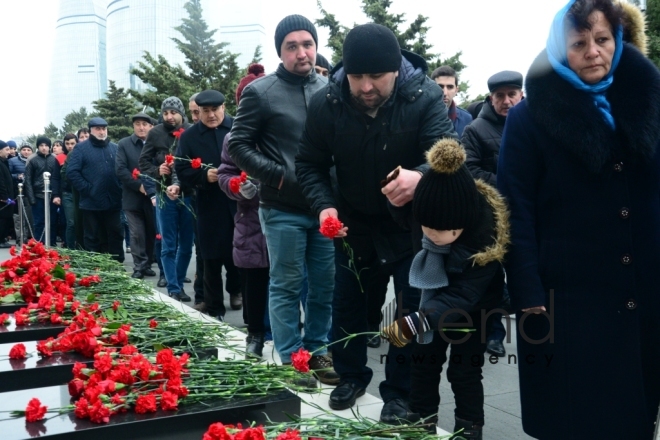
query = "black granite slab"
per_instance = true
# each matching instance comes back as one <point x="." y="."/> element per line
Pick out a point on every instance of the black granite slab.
<point x="11" y="307"/>
<point x="36" y="371"/>
<point x="189" y="422"/>
<point x="33" y="332"/>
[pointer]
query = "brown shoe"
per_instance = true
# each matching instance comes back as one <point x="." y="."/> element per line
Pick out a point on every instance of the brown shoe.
<point x="323" y="370"/>
<point x="236" y="301"/>
<point x="200" y="307"/>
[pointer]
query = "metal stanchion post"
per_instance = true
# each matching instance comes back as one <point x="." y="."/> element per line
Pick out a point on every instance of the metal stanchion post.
<point x="47" y="208"/>
<point x="21" y="210"/>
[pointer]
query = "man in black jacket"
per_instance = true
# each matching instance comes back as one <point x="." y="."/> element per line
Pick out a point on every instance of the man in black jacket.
<point x="173" y="209"/>
<point x="271" y="116"/>
<point x="215" y="212"/>
<point x="136" y="203"/>
<point x="481" y="140"/>
<point x="378" y="113"/>
<point x="6" y="197"/>
<point x="42" y="162"/>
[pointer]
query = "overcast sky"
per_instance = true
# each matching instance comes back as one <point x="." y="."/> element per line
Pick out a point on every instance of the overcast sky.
<point x="494" y="35"/>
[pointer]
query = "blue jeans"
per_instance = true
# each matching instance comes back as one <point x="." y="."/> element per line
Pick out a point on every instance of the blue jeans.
<point x="175" y="222"/>
<point x="69" y="214"/>
<point x="39" y="216"/>
<point x="294" y="242"/>
<point x="350" y="314"/>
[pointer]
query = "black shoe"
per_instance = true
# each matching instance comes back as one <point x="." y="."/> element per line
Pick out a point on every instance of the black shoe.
<point x="374" y="342"/>
<point x="183" y="297"/>
<point x="343" y="397"/>
<point x="255" y="346"/>
<point x="236" y="301"/>
<point x="496" y="348"/>
<point x="137" y="274"/>
<point x="470" y="430"/>
<point x="5" y="245"/>
<point x="396" y="412"/>
<point x="162" y="282"/>
<point x="175" y="295"/>
<point x="148" y="273"/>
<point x="187" y="280"/>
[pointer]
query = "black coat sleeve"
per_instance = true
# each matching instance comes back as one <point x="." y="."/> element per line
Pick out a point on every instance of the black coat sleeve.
<point x="121" y="169"/>
<point x="314" y="158"/>
<point x="464" y="292"/>
<point x="55" y="178"/>
<point x="27" y="186"/>
<point x="146" y="161"/>
<point x="474" y="161"/>
<point x="250" y="119"/>
<point x="185" y="173"/>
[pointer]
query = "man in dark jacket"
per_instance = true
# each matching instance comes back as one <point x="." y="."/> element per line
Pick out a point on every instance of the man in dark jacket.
<point x="6" y="197"/>
<point x="271" y="115"/>
<point x="378" y="113"/>
<point x="215" y="211"/>
<point x="42" y="162"/>
<point x="136" y="202"/>
<point x="17" y="169"/>
<point x="447" y="79"/>
<point x="173" y="200"/>
<point x="91" y="171"/>
<point x="481" y="140"/>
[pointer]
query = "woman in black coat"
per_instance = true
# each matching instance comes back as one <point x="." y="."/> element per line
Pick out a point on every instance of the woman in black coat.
<point x="580" y="168"/>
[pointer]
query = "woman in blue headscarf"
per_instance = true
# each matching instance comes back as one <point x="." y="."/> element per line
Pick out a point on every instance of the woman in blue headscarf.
<point x="580" y="168"/>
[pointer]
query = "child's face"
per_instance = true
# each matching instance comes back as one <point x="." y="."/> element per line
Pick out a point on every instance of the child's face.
<point x="442" y="238"/>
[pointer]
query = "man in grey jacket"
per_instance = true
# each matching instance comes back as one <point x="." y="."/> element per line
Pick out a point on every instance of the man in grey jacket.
<point x="136" y="202"/>
<point x="271" y="114"/>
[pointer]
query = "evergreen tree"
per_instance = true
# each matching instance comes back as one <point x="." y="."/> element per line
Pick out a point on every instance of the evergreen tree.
<point x="53" y="133"/>
<point x="76" y="120"/>
<point x="117" y="108"/>
<point x="413" y="38"/>
<point x="653" y="30"/>
<point x="256" y="58"/>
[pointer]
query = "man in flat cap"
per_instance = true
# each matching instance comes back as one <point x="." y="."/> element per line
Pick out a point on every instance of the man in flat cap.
<point x="379" y="112"/>
<point x="173" y="203"/>
<point x="215" y="211"/>
<point x="264" y="140"/>
<point x="136" y="197"/>
<point x="482" y="140"/>
<point x="91" y="171"/>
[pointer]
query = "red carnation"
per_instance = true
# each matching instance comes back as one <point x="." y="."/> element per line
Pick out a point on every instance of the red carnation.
<point x="99" y="413"/>
<point x="76" y="387"/>
<point x="217" y="431"/>
<point x="244" y="176"/>
<point x="331" y="227"/>
<point x="34" y="410"/>
<point x="82" y="408"/>
<point x="17" y="352"/>
<point x="196" y="163"/>
<point x="169" y="401"/>
<point x="177" y="134"/>
<point x="300" y="360"/>
<point x="290" y="434"/>
<point x="158" y="236"/>
<point x="254" y="433"/>
<point x="235" y="184"/>
<point x="145" y="404"/>
<point x="153" y="323"/>
<point x="136" y="173"/>
<point x="4" y="319"/>
<point x="169" y="159"/>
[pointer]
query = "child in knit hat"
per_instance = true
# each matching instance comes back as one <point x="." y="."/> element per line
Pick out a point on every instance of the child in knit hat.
<point x="466" y="231"/>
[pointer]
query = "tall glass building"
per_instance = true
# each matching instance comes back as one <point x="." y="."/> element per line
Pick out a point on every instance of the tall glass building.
<point x="78" y="71"/>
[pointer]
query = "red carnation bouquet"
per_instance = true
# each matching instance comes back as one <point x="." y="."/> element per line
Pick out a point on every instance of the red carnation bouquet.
<point x="236" y="182"/>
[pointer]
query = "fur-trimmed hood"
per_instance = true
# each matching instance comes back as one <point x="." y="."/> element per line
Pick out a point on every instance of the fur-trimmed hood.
<point x="634" y="26"/>
<point x="569" y="116"/>
<point x="497" y="250"/>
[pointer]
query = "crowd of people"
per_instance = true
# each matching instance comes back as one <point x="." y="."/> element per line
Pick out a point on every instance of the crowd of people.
<point x="542" y="200"/>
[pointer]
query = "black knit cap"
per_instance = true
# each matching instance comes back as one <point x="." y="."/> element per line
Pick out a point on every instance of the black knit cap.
<point x="321" y="61"/>
<point x="43" y="140"/>
<point x="292" y="23"/>
<point x="446" y="196"/>
<point x="371" y="48"/>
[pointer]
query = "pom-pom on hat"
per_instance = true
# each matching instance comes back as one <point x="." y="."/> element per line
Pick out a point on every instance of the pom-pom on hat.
<point x="255" y="71"/>
<point x="446" y="196"/>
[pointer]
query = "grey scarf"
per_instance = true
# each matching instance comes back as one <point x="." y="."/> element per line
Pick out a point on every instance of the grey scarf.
<point x="427" y="272"/>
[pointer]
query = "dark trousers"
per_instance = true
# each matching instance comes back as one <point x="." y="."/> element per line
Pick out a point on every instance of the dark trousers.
<point x="349" y="315"/>
<point x="103" y="232"/>
<point x="463" y="372"/>
<point x="6" y="227"/>
<point x="198" y="285"/>
<point x="254" y="286"/>
<point x="142" y="227"/>
<point x="39" y="216"/>
<point x="78" y="222"/>
<point x="213" y="287"/>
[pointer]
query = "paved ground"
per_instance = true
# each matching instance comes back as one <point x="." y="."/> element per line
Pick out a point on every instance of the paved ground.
<point x="500" y="381"/>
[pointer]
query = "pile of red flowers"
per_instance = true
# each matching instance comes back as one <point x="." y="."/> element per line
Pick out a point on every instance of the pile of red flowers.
<point x="218" y="431"/>
<point x="235" y="182"/>
<point x="126" y="379"/>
